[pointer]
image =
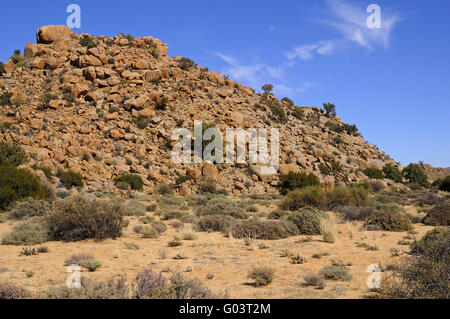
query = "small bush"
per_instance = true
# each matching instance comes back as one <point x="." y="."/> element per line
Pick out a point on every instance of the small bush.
<point x="351" y="213"/>
<point x="184" y="178"/>
<point x="297" y="180"/>
<point x="373" y="173"/>
<point x="11" y="292"/>
<point x="439" y="215"/>
<point x="324" y="169"/>
<point x="298" y="113"/>
<point x="308" y="196"/>
<point x="5" y="98"/>
<point x="33" y="231"/>
<point x="308" y="220"/>
<point x="221" y="208"/>
<point x="264" y="230"/>
<point x="164" y="189"/>
<point x="71" y="179"/>
<point x="134" y="182"/>
<point x="389" y="221"/>
<point x="277" y="214"/>
<point x="29" y="208"/>
<point x="215" y="223"/>
<point x="328" y="230"/>
<point x="414" y="173"/>
<point x="90" y="264"/>
<point x="79" y="217"/>
<point x="46" y="170"/>
<point x="75" y="259"/>
<point x="87" y="41"/>
<point x="12" y="154"/>
<point x="149" y="232"/>
<point x="208" y="186"/>
<point x="336" y="271"/>
<point x="159" y="226"/>
<point x="445" y="186"/>
<point x="2" y="68"/>
<point x="262" y="276"/>
<point x="393" y="173"/>
<point x="315" y="281"/>
<point x="354" y="195"/>
<point x="186" y="64"/>
<point x="330" y="109"/>
<point x="425" y="275"/>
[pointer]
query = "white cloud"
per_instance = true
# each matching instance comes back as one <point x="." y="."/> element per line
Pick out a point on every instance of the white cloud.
<point x="350" y="21"/>
<point x="252" y="73"/>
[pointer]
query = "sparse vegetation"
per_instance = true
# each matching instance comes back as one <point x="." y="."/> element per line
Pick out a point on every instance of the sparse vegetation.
<point x="71" y="179"/>
<point x="336" y="271"/>
<point x="129" y="181"/>
<point x="294" y="181"/>
<point x="88" y="42"/>
<point x="373" y="173"/>
<point x="308" y="220"/>
<point x="389" y="221"/>
<point x="262" y="276"/>
<point x="32" y="231"/>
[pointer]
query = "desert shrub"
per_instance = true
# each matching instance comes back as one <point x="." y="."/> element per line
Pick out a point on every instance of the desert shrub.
<point x="208" y="186"/>
<point x="46" y="170"/>
<point x="90" y="264"/>
<point x="159" y="226"/>
<point x="87" y="41"/>
<point x="76" y="258"/>
<point x="374" y="185"/>
<point x="5" y="98"/>
<point x="373" y="173"/>
<point x="328" y="230"/>
<point x="79" y="217"/>
<point x="12" y="154"/>
<point x="414" y="173"/>
<point x="221" y="208"/>
<point x="149" y="232"/>
<point x="29" y="208"/>
<point x="336" y="271"/>
<point x="149" y="285"/>
<point x="277" y="214"/>
<point x="184" y="178"/>
<point x="393" y="173"/>
<point x="12" y="292"/>
<point x="307" y="220"/>
<point x="134" y="182"/>
<point x="355" y="212"/>
<point x="439" y="215"/>
<point x="32" y="231"/>
<point x="324" y="169"/>
<point x="353" y="195"/>
<point x="2" y="68"/>
<point x="264" y="230"/>
<point x="71" y="179"/>
<point x="215" y="223"/>
<point x="288" y="101"/>
<point x="445" y="186"/>
<point x="298" y="113"/>
<point x="129" y="37"/>
<point x="262" y="276"/>
<point x="315" y="281"/>
<point x="112" y="289"/>
<point x="294" y="181"/>
<point x="17" y="184"/>
<point x="164" y="189"/>
<point x="188" y="233"/>
<point x="186" y="64"/>
<point x="336" y="167"/>
<point x="330" y="109"/>
<point x="308" y="196"/>
<point x="425" y="274"/>
<point x="351" y="129"/>
<point x="337" y="140"/>
<point x="389" y="221"/>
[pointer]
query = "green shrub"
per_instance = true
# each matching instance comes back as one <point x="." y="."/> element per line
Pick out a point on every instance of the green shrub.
<point x="445" y="186"/>
<point x="324" y="169"/>
<point x="389" y="221"/>
<point x="336" y="167"/>
<point x="353" y="195"/>
<point x="336" y="271"/>
<point x="350" y="129"/>
<point x="186" y="64"/>
<point x="308" y="196"/>
<point x="351" y="213"/>
<point x="277" y="214"/>
<point x="32" y="231"/>
<point x="87" y="41"/>
<point x="17" y="184"/>
<point x="393" y="173"/>
<point x="262" y="276"/>
<point x="149" y="232"/>
<point x="71" y="179"/>
<point x="129" y="37"/>
<point x="439" y="215"/>
<point x="330" y="109"/>
<point x="134" y="182"/>
<point x="5" y="98"/>
<point x="215" y="223"/>
<point x="414" y="173"/>
<point x="337" y="140"/>
<point x="307" y="220"/>
<point x="298" y="113"/>
<point x="425" y="275"/>
<point x="164" y="189"/>
<point x="17" y="58"/>
<point x="159" y="226"/>
<point x="76" y="258"/>
<point x="184" y="178"/>
<point x="264" y="230"/>
<point x="221" y="208"/>
<point x="373" y="173"/>
<point x="294" y="181"/>
<point x="288" y="101"/>
<point x="90" y="264"/>
<point x="12" y="154"/>
<point x="2" y="68"/>
<point x="46" y="170"/>
<point x="29" y="208"/>
<point x="79" y="217"/>
<point x="208" y="186"/>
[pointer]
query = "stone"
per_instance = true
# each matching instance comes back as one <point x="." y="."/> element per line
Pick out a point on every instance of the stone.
<point x="51" y="33"/>
<point x="210" y="171"/>
<point x="9" y="67"/>
<point x="80" y="89"/>
<point x="38" y="63"/>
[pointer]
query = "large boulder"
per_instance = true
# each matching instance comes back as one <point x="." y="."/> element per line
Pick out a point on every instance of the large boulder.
<point x="51" y="33"/>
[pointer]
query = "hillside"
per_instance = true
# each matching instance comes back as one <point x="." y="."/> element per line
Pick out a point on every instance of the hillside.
<point x="103" y="106"/>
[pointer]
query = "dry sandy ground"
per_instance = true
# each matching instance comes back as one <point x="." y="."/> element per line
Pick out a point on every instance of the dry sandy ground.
<point x="228" y="259"/>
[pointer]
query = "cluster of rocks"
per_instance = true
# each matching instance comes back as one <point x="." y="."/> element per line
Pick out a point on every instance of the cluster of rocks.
<point x="110" y="108"/>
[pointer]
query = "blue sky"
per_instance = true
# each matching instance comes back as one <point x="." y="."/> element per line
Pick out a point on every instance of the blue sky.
<point x="393" y="82"/>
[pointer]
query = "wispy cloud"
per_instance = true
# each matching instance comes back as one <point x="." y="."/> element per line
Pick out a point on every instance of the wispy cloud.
<point x="350" y="21"/>
<point x="250" y="73"/>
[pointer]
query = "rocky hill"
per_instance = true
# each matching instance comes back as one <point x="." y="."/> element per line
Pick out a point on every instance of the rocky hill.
<point x="103" y="106"/>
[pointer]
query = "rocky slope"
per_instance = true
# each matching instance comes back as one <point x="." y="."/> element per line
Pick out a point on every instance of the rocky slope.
<point x="111" y="108"/>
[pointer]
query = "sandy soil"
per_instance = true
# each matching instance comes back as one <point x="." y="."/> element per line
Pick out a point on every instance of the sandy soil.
<point x="228" y="259"/>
